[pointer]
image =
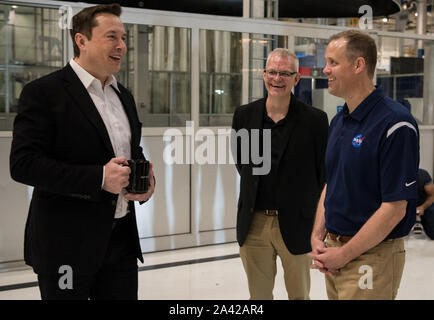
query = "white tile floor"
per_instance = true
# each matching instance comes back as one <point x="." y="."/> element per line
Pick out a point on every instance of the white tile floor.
<point x="225" y="279"/>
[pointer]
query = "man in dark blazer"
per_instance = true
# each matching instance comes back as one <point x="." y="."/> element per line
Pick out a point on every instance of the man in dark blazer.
<point x="74" y="131"/>
<point x="276" y="209"/>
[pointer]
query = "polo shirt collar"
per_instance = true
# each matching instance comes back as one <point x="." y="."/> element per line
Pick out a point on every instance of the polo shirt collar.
<point x="366" y="105"/>
<point x="291" y="109"/>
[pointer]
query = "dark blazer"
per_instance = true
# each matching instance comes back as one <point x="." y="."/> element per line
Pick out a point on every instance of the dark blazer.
<point x="60" y="145"/>
<point x="301" y="172"/>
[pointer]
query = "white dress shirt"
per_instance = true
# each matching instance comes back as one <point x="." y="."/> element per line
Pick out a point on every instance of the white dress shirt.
<point x="115" y="119"/>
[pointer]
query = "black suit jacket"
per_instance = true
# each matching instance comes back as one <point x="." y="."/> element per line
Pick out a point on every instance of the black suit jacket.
<point x="301" y="172"/>
<point x="60" y="145"/>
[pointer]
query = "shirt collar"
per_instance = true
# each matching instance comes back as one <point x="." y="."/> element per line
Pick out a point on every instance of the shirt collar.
<point x="288" y="114"/>
<point x="87" y="79"/>
<point x="366" y="105"/>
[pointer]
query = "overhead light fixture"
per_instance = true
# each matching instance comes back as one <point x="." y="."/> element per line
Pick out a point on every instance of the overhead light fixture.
<point x="385" y="19"/>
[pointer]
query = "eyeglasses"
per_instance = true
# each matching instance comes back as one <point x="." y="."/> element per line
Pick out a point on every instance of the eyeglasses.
<point x="283" y="74"/>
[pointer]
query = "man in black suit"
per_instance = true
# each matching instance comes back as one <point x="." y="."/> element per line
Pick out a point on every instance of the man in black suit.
<point x="74" y="131"/>
<point x="276" y="208"/>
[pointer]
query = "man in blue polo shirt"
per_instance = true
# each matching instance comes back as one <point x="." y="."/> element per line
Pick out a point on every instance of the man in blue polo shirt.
<point x="369" y="202"/>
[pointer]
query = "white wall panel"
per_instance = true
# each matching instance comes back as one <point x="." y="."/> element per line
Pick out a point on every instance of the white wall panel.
<point x="427" y="148"/>
<point x="168" y="211"/>
<point x="217" y="198"/>
<point x="14" y="204"/>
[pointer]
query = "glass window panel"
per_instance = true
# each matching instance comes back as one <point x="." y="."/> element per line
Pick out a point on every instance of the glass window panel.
<point x="401" y="72"/>
<point x="220" y="76"/>
<point x="313" y="87"/>
<point x="310" y="52"/>
<point x="157" y="72"/>
<point x="30" y="47"/>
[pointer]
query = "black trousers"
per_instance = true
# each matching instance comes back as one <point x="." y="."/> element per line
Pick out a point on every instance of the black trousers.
<point x="117" y="279"/>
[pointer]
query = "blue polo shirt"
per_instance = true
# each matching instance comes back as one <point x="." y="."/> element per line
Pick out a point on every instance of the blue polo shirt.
<point x="372" y="157"/>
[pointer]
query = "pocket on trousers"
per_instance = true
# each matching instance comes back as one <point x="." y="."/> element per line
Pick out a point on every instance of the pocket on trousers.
<point x="398" y="268"/>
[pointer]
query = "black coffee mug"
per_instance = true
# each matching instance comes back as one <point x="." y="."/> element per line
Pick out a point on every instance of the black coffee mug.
<point x="139" y="176"/>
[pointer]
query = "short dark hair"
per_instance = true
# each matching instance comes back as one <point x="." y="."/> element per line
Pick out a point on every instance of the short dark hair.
<point x="359" y="44"/>
<point x="84" y="21"/>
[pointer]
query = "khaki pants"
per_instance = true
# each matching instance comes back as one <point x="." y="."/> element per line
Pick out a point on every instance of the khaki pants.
<point x="376" y="274"/>
<point x="258" y="254"/>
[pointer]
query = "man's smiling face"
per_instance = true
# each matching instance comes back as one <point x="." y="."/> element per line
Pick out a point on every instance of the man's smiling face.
<point x="340" y="71"/>
<point x="103" y="52"/>
<point x="278" y="85"/>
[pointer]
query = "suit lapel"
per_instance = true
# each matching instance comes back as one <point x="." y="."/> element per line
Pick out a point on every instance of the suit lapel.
<point x="84" y="102"/>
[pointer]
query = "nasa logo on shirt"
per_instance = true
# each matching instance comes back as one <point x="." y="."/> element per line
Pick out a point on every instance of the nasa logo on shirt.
<point x="358" y="140"/>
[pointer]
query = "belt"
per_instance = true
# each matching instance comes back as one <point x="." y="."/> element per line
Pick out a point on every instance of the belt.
<point x="268" y="212"/>
<point x="343" y="239"/>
